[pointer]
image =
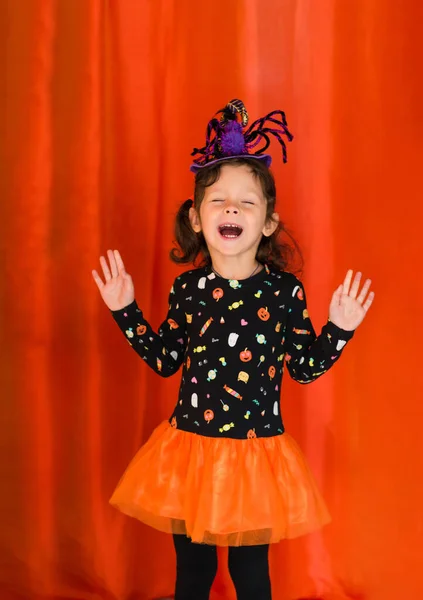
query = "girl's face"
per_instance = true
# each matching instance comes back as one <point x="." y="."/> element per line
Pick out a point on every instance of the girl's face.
<point x="233" y="214"/>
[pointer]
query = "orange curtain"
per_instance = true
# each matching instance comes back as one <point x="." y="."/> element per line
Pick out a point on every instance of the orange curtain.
<point x="102" y="103"/>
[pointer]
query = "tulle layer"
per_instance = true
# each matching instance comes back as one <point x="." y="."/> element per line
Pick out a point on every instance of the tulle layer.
<point x="221" y="491"/>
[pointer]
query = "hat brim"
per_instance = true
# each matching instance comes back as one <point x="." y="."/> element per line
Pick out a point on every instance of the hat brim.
<point x="266" y="158"/>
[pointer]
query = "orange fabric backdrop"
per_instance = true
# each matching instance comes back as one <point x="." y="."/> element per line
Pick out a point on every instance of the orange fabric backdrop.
<point x="102" y="103"/>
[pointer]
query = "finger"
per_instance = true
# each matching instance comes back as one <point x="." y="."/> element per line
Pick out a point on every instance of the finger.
<point x="364" y="291"/>
<point x="105" y="267"/>
<point x="113" y="264"/>
<point x="347" y="281"/>
<point x="336" y="298"/>
<point x="355" y="285"/>
<point x="119" y="262"/>
<point x="369" y="301"/>
<point x="98" y="280"/>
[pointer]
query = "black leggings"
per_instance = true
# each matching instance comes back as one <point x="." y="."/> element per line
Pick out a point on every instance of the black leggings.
<point x="196" y="567"/>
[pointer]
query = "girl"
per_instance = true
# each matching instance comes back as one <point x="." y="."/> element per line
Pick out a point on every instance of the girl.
<point x="223" y="471"/>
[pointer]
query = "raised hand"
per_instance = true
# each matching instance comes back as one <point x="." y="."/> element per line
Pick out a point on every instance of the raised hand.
<point x="118" y="290"/>
<point x="346" y="309"/>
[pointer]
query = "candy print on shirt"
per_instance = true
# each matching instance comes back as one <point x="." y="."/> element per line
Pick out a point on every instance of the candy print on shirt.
<point x="233" y="339"/>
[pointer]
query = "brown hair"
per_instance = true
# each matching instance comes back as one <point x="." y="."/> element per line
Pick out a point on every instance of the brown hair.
<point x="271" y="250"/>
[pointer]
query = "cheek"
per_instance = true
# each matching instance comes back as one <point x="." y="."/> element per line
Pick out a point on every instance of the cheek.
<point x="208" y="218"/>
<point x="257" y="221"/>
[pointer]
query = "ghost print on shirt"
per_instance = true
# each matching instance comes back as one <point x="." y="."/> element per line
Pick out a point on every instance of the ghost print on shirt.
<point x="234" y="339"/>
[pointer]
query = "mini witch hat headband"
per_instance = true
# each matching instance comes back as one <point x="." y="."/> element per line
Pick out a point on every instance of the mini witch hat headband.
<point x="228" y="137"/>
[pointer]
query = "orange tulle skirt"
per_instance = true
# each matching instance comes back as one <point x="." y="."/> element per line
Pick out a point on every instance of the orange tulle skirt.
<point x="221" y="491"/>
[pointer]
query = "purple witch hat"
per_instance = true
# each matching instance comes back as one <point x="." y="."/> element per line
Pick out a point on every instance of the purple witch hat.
<point x="228" y="136"/>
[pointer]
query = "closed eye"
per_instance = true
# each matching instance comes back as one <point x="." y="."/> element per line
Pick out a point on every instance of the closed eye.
<point x="243" y="201"/>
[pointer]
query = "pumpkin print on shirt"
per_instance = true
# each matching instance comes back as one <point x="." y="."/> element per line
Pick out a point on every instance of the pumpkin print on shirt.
<point x="233" y="339"/>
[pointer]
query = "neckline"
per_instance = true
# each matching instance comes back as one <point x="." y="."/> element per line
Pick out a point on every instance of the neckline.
<point x="264" y="272"/>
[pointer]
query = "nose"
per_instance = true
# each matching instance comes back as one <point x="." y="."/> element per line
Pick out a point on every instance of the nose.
<point x="231" y="209"/>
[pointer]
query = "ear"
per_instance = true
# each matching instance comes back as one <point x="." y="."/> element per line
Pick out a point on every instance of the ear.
<point x="271" y="225"/>
<point x="194" y="219"/>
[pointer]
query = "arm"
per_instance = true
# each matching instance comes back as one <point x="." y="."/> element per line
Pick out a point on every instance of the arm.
<point x="307" y="355"/>
<point x="163" y="351"/>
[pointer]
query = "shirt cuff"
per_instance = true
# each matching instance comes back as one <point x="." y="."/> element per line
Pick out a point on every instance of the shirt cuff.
<point x="127" y="314"/>
<point x="338" y="332"/>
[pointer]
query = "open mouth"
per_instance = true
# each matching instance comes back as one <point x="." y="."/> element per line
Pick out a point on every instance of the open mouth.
<point x="230" y="230"/>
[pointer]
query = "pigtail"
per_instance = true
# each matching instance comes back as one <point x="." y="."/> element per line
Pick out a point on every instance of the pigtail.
<point x="189" y="243"/>
<point x="280" y="254"/>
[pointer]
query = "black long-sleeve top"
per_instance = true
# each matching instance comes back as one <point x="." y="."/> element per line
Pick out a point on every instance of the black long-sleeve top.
<point x="233" y="338"/>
